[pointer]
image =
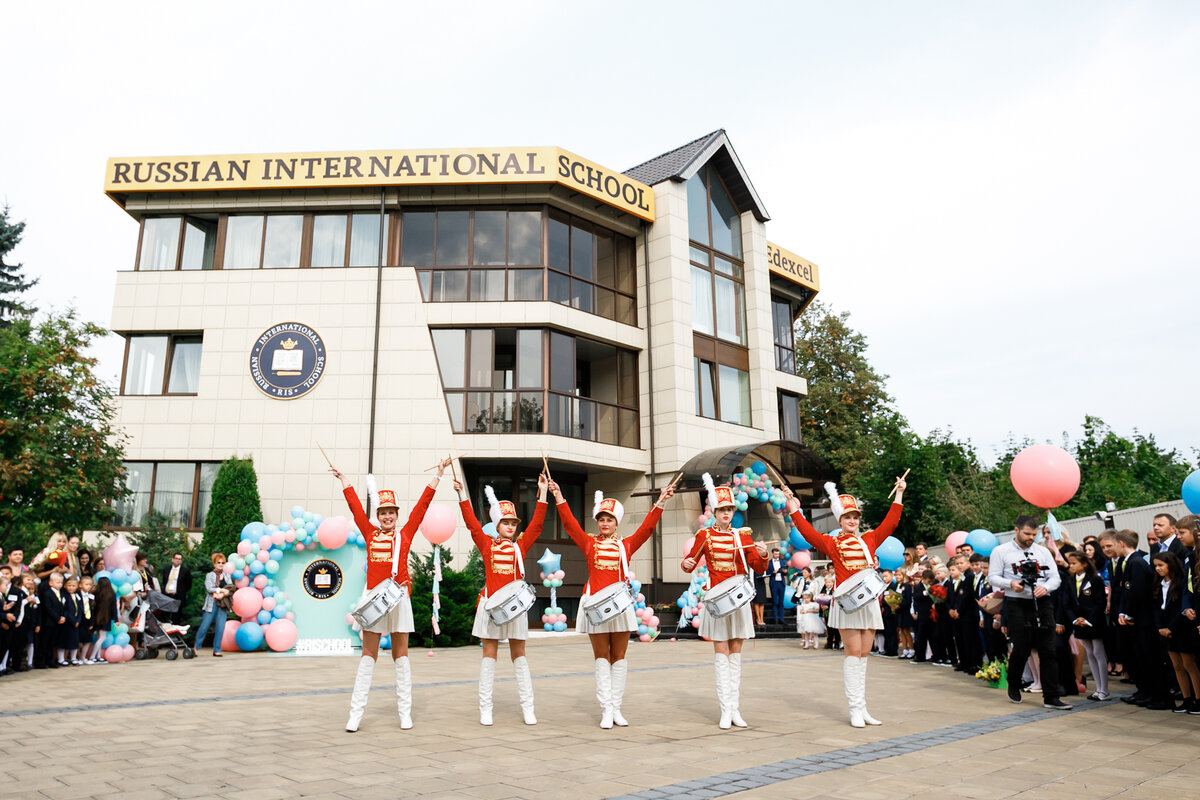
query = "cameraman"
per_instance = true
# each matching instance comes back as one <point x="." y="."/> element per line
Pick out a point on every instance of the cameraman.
<point x="1030" y="612"/>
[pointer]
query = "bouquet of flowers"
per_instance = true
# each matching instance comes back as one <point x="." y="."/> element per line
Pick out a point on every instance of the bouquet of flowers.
<point x="992" y="671"/>
<point x="937" y="593"/>
<point x="893" y="599"/>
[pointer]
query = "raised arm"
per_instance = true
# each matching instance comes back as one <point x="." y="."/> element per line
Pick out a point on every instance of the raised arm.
<point x="646" y="529"/>
<point x="886" y="528"/>
<point x="581" y="539"/>
<point x="416" y="516"/>
<point x="480" y="538"/>
<point x="534" y="529"/>
<point x="819" y="541"/>
<point x="361" y="521"/>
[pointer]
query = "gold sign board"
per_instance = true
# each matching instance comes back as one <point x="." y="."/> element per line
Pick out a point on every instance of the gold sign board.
<point x="380" y="168"/>
<point x="792" y="267"/>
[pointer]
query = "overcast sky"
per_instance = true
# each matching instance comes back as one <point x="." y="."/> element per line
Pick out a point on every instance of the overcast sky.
<point x="1003" y="195"/>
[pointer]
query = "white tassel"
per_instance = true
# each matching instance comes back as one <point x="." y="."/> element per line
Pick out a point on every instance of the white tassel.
<point x="711" y="488"/>
<point x="599" y="498"/>
<point x="835" y="502"/>
<point x="493" y="504"/>
<point x="372" y="500"/>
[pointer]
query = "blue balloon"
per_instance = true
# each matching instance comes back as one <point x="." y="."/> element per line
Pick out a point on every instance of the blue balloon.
<point x="297" y="511"/>
<point x="310" y="527"/>
<point x="637" y="585"/>
<point x="982" y="542"/>
<point x="386" y="642"/>
<point x="681" y="602"/>
<point x="275" y="554"/>
<point x="285" y="526"/>
<point x="550" y="562"/>
<point x="890" y="553"/>
<point x="549" y="626"/>
<point x="490" y="530"/>
<point x="737" y="519"/>
<point x="789" y="599"/>
<point x="797" y="540"/>
<point x="264" y="617"/>
<point x="759" y="468"/>
<point x="308" y="516"/>
<point x="269" y="591"/>
<point x="560" y="626"/>
<point x="256" y="567"/>
<point x="279" y="612"/>
<point x="122" y="639"/>
<point x="253" y="530"/>
<point x="103" y="574"/>
<point x="249" y="636"/>
<point x="1190" y="492"/>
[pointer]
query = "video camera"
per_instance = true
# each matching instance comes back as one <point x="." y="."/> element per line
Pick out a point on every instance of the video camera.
<point x="1030" y="571"/>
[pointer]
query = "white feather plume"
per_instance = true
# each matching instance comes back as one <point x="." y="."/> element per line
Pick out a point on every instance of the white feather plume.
<point x="596" y="501"/>
<point x="372" y="500"/>
<point x="711" y="489"/>
<point x="835" y="502"/>
<point x="493" y="504"/>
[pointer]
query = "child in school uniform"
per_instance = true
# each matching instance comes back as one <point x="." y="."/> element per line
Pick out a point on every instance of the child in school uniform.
<point x="87" y="620"/>
<point x="68" y="632"/>
<point x="53" y="615"/>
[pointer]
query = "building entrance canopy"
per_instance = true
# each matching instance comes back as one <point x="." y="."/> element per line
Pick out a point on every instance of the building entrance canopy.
<point x="803" y="469"/>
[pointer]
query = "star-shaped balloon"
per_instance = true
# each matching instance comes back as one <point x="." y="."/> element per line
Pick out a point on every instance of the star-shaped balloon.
<point x="119" y="554"/>
<point x="549" y="562"/>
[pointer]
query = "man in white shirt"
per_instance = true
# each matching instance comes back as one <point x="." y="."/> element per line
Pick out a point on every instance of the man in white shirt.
<point x="1029" y="608"/>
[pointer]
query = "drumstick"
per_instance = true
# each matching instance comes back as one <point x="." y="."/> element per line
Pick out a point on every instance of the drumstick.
<point x="453" y="473"/>
<point x="327" y="461"/>
<point x="675" y="482"/>
<point x="435" y="466"/>
<point x="897" y="486"/>
<point x="546" y="466"/>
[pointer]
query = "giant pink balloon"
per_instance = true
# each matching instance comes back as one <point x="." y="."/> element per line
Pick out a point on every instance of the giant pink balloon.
<point x="438" y="525"/>
<point x="800" y="559"/>
<point x="954" y="541"/>
<point x="281" y="635"/>
<point x="1044" y="476"/>
<point x="247" y="602"/>
<point x="229" y="636"/>
<point x="119" y="554"/>
<point x="333" y="532"/>
<point x="114" y="654"/>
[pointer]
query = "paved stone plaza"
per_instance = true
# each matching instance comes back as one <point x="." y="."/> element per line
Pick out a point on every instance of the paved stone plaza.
<point x="262" y="726"/>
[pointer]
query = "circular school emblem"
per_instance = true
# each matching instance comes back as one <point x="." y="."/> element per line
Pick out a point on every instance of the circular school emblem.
<point x="322" y="579"/>
<point x="287" y="360"/>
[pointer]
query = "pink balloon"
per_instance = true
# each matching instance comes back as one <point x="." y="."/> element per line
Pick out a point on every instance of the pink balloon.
<point x="228" y="568"/>
<point x="268" y="604"/>
<point x="561" y="618"/>
<point x="259" y="581"/>
<point x="289" y="537"/>
<point x="119" y="554"/>
<point x="251" y="618"/>
<point x="954" y="541"/>
<point x="439" y="523"/>
<point x="652" y="622"/>
<point x="247" y="602"/>
<point x="290" y="615"/>
<point x="128" y="651"/>
<point x="695" y="622"/>
<point x="299" y="547"/>
<point x="114" y="654"/>
<point x="243" y="548"/>
<point x="350" y="619"/>
<point x="229" y="637"/>
<point x="645" y="637"/>
<point x="277" y="538"/>
<point x="241" y="582"/>
<point x="1044" y="476"/>
<point x="688" y="545"/>
<point x="264" y="556"/>
<point x="281" y="635"/>
<point x="333" y="532"/>
<point x="800" y="559"/>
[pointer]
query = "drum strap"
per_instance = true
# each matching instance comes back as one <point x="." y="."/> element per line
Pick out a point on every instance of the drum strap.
<point x="587" y="586"/>
<point x="519" y="558"/>
<point x="737" y="544"/>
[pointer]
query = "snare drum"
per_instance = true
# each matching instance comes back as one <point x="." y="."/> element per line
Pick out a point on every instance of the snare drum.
<point x="729" y="595"/>
<point x="508" y="603"/>
<point x="376" y="603"/>
<point x="858" y="590"/>
<point x="609" y="602"/>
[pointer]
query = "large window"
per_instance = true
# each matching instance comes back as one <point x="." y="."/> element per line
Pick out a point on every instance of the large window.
<point x="722" y="381"/>
<point x="161" y="363"/>
<point x="538" y="381"/>
<point x="520" y="254"/>
<point x="789" y="416"/>
<point x="169" y="243"/>
<point x="782" y="314"/>
<point x="178" y="490"/>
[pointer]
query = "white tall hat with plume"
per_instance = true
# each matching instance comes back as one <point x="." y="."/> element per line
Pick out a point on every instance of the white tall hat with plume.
<point x="841" y="504"/>
<point x="718" y="496"/>
<point x="603" y="505"/>
<point x="499" y="509"/>
<point x="372" y="500"/>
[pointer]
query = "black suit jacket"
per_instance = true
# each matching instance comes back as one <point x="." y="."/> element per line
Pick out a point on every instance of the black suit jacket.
<point x="184" y="584"/>
<point x="1176" y="547"/>
<point x="1166" y="617"/>
<point x="1137" y="587"/>
<point x="922" y="603"/>
<point x="1087" y="600"/>
<point x="52" y="607"/>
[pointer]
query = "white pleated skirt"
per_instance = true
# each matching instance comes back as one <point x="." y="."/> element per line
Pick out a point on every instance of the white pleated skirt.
<point x="484" y="628"/>
<point x="398" y="620"/>
<point x="867" y="618"/>
<point x="737" y="624"/>
<point x="624" y="622"/>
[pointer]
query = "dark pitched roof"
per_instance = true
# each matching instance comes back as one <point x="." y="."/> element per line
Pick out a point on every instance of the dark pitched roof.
<point x="683" y="162"/>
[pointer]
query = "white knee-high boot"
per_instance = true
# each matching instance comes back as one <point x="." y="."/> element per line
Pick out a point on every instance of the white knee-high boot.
<point x="619" y="670"/>
<point x="524" y="689"/>
<point x="735" y="689"/>
<point x="604" y="692"/>
<point x="404" y="692"/>
<point x="850" y="683"/>
<point x="862" y="692"/>
<point x="362" y="687"/>
<point x="487" y="675"/>
<point x="721" y="668"/>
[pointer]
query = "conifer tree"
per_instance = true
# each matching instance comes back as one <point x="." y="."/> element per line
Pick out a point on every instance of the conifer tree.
<point x="12" y="279"/>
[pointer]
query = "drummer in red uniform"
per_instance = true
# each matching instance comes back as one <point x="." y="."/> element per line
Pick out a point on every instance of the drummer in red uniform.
<point x="727" y="552"/>
<point x="852" y="556"/>
<point x="387" y="557"/>
<point x="607" y="556"/>
<point x="503" y="564"/>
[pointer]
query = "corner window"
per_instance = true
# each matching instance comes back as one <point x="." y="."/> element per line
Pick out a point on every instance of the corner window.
<point x="170" y="243"/>
<point x="161" y="363"/>
<point x="713" y="219"/>
<point x="722" y="381"/>
<point x="179" y="490"/>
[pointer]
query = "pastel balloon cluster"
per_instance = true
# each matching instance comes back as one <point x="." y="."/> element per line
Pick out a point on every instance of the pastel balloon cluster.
<point x="264" y="615"/>
<point x="552" y="579"/>
<point x="122" y="580"/>
<point x="753" y="483"/>
<point x="553" y="619"/>
<point x="647" y="622"/>
<point x="692" y="600"/>
<point x="114" y="644"/>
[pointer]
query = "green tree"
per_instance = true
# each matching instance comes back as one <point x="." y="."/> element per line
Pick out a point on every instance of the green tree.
<point x="60" y="453"/>
<point x="235" y="503"/>
<point x="12" y="280"/>
<point x="457" y="593"/>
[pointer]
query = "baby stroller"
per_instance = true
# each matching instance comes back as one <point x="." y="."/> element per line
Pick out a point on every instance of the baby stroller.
<point x="157" y="634"/>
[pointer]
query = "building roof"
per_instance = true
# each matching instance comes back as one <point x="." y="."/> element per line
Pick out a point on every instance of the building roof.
<point x="683" y="162"/>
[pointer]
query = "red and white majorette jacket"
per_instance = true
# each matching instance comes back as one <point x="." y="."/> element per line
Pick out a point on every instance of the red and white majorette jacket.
<point x="379" y="543"/>
<point x="843" y="549"/>
<point x="500" y="555"/>
<point x="603" y="556"/>
<point x="721" y="554"/>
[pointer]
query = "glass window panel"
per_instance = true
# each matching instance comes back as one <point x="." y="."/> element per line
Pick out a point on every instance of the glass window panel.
<point x="726" y="224"/>
<point x="452" y="232"/>
<point x="789" y="417"/>
<point x="480" y="368"/>
<point x="489" y="238"/>
<point x="199" y="243"/>
<point x="606" y="262"/>
<point x="185" y="366"/>
<point x="504" y="363"/>
<point x="702" y="302"/>
<point x="502" y="411"/>
<point x="529" y="358"/>
<point x="131" y="510"/>
<point x="558" y="415"/>
<point x="626" y="310"/>
<point x="144" y="369"/>
<point x="785" y="360"/>
<point x="559" y="238"/>
<point x="599" y="363"/>
<point x="243" y="242"/>
<point x="208" y="474"/>
<point x="583" y="258"/>
<point x="562" y="363"/>
<point x="697" y="197"/>
<point x="699" y="256"/>
<point x="585" y="420"/>
<point x="606" y="303"/>
<point x="628" y="432"/>
<point x="705" y="400"/>
<point x="160" y="243"/>
<point x="364" y="239"/>
<point x="781" y="322"/>
<point x="329" y="240"/>
<point x="731" y="310"/>
<point x="487" y="284"/>
<point x="525" y="237"/>
<point x="525" y="284"/>
<point x="478" y="412"/>
<point x="454" y="406"/>
<point x="724" y="266"/>
<point x="423" y="278"/>
<point x="530" y="420"/>
<point x="450" y="346"/>
<point x="606" y="424"/>
<point x="449" y="286"/>
<point x="282" y="248"/>
<point x="416" y="248"/>
<point x="627" y="394"/>
<point x="734" y="385"/>
<point x="581" y="295"/>
<point x="173" y="484"/>
<point x="558" y="288"/>
<point x="626" y="266"/>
